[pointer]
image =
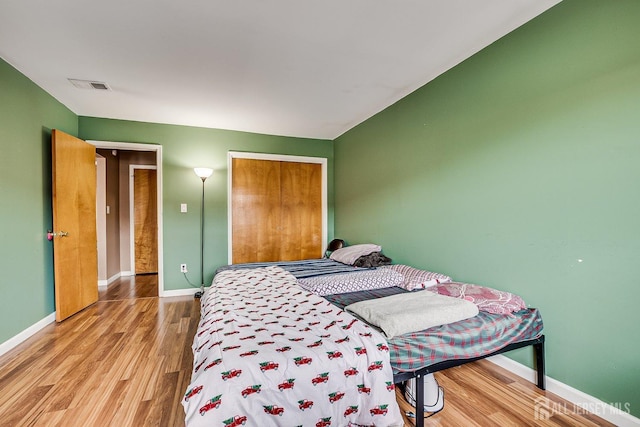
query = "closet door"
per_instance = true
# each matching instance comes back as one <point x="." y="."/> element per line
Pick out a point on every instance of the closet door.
<point x="276" y="209"/>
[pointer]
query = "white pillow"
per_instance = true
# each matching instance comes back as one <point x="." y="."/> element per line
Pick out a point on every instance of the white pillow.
<point x="349" y="254"/>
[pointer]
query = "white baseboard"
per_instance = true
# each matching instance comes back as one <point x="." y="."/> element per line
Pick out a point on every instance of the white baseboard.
<point x="127" y="273"/>
<point x="115" y="277"/>
<point x="178" y="292"/>
<point x="27" y="333"/>
<point x="617" y="413"/>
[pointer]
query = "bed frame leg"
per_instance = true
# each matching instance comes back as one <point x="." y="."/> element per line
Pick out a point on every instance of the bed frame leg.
<point x="419" y="401"/>
<point x="539" y="349"/>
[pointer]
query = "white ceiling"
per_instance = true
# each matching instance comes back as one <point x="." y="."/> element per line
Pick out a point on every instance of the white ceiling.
<point x="283" y="67"/>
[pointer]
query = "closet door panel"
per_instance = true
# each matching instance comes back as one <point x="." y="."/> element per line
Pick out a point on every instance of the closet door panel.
<point x="301" y="214"/>
<point x="256" y="210"/>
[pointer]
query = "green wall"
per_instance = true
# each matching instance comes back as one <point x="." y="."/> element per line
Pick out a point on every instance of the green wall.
<point x="520" y="169"/>
<point x="27" y="115"/>
<point x="184" y="148"/>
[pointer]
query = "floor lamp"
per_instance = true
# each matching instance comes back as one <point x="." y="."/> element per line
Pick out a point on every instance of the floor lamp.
<point x="203" y="173"/>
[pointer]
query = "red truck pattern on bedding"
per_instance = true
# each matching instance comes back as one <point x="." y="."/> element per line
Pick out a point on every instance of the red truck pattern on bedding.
<point x="310" y="363"/>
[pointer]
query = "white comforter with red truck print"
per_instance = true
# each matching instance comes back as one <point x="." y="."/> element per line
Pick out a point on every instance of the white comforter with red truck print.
<point x="268" y="353"/>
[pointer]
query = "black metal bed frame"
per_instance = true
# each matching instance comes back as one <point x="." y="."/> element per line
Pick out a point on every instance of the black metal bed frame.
<point x="538" y="346"/>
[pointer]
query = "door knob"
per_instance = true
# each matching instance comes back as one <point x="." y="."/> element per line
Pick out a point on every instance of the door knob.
<point x="51" y="234"/>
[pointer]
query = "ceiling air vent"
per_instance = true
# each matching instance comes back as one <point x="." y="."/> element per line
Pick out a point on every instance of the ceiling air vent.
<point x="89" y="84"/>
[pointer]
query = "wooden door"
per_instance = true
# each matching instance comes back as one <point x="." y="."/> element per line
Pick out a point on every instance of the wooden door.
<point x="276" y="210"/>
<point x="75" y="248"/>
<point x="145" y="223"/>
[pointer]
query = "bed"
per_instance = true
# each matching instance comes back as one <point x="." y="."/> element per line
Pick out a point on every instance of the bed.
<point x="268" y="353"/>
<point x="260" y="297"/>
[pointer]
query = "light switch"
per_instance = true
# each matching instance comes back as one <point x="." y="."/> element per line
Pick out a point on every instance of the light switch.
<point x="183" y="207"/>
<point x="108" y="209"/>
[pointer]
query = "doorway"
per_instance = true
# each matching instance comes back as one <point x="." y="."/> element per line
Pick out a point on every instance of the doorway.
<point x="121" y="262"/>
<point x="101" y="218"/>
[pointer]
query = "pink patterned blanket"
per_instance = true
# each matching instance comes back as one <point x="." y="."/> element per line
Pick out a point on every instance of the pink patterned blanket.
<point x="487" y="299"/>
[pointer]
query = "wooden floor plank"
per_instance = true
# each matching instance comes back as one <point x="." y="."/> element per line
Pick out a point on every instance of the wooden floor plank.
<point x="127" y="360"/>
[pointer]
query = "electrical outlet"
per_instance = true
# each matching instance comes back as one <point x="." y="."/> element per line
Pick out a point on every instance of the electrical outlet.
<point x="183" y="268"/>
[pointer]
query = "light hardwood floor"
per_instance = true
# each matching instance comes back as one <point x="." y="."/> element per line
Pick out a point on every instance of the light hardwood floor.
<point x="482" y="394"/>
<point x="126" y="361"/>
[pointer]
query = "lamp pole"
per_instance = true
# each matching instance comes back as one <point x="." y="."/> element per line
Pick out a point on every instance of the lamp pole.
<point x="203" y="173"/>
<point x="199" y="294"/>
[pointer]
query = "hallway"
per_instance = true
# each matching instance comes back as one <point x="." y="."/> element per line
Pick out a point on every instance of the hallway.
<point x="130" y="287"/>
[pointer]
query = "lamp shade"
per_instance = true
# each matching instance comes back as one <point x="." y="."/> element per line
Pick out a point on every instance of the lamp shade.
<point x="203" y="173"/>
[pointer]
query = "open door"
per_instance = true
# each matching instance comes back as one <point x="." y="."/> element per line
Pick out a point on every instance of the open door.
<point x="74" y="235"/>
